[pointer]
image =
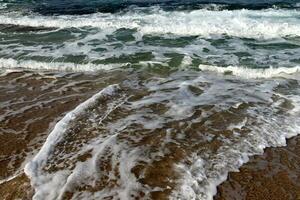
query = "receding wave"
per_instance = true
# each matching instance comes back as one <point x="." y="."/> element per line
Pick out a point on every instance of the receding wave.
<point x="239" y="23"/>
<point x="190" y="129"/>
<point x="32" y="168"/>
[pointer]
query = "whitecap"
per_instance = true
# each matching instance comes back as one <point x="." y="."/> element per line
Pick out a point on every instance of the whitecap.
<point x="253" y="72"/>
<point x="271" y="23"/>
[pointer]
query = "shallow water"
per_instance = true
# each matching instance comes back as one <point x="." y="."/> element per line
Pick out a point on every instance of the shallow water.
<point x="163" y="99"/>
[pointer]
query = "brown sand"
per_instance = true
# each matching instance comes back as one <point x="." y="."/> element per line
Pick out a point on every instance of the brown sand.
<point x="275" y="175"/>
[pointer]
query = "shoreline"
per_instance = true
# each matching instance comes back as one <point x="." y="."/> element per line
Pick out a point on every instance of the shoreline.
<point x="254" y="181"/>
<point x="274" y="174"/>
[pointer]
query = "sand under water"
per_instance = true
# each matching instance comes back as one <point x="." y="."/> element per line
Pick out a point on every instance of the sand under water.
<point x="142" y="139"/>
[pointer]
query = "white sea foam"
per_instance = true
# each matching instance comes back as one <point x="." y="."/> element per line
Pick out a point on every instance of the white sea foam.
<point x="230" y="158"/>
<point x="11" y="64"/>
<point x="253" y="73"/>
<point x="41" y="181"/>
<point x="201" y="178"/>
<point x="239" y="23"/>
<point x="116" y="138"/>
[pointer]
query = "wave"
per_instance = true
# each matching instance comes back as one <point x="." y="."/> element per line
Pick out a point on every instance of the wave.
<point x="253" y="73"/>
<point x="54" y="66"/>
<point x="32" y="169"/>
<point x="240" y="23"/>
<point x="12" y="64"/>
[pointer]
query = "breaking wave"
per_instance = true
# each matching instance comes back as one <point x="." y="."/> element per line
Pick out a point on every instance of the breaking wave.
<point x="53" y="66"/>
<point x="238" y="23"/>
<point x="253" y="73"/>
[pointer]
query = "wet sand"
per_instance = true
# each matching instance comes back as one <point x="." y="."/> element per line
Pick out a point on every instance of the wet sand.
<point x="30" y="105"/>
<point x="23" y="133"/>
<point x="273" y="175"/>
